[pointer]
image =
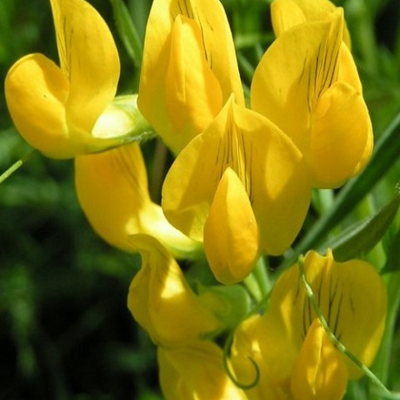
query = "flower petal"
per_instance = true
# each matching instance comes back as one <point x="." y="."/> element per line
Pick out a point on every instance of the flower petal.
<point x="246" y="350"/>
<point x="112" y="191"/>
<point x="193" y="94"/>
<point x="293" y="74"/>
<point x="286" y="14"/>
<point x="319" y="371"/>
<point x="334" y="154"/>
<point x="89" y="60"/>
<point x="36" y="92"/>
<point x="231" y="232"/>
<point x="161" y="300"/>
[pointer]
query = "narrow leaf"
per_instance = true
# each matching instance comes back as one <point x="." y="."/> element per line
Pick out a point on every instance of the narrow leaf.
<point x="359" y="238"/>
<point x="128" y="32"/>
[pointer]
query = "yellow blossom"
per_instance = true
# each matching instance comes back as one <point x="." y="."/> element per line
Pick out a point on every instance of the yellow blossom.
<point x="56" y="108"/>
<point x="308" y="85"/>
<point x="300" y="358"/>
<point x="189" y="68"/>
<point x="242" y="182"/>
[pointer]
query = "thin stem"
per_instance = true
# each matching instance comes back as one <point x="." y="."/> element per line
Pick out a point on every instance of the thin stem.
<point x="262" y="276"/>
<point x="15" y="166"/>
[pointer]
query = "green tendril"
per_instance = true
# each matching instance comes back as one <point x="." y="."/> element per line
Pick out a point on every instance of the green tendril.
<point x="6" y="174"/>
<point x="339" y="345"/>
<point x="230" y="374"/>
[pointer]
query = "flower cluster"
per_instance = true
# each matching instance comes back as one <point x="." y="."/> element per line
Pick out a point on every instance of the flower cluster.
<point x="239" y="187"/>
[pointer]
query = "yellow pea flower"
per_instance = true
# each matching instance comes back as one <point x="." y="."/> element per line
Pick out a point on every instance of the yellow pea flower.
<point x="189" y="68"/>
<point x="243" y="183"/>
<point x="299" y="356"/>
<point x="161" y="300"/>
<point x="308" y="85"/>
<point x="196" y="372"/>
<point x="113" y="192"/>
<point x="56" y="108"/>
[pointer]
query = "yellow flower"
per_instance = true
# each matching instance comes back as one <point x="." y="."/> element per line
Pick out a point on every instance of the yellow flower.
<point x="56" y="109"/>
<point x="308" y="85"/>
<point x="113" y="193"/>
<point x="298" y="353"/>
<point x="243" y="183"/>
<point x="189" y="68"/>
<point x="161" y="300"/>
<point x="196" y="372"/>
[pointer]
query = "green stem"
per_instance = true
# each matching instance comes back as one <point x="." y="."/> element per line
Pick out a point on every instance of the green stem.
<point x="15" y="166"/>
<point x="263" y="277"/>
<point x="259" y="283"/>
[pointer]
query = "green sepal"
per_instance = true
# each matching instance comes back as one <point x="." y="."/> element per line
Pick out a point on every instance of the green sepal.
<point x="359" y="238"/>
<point x="122" y="119"/>
<point x="230" y="304"/>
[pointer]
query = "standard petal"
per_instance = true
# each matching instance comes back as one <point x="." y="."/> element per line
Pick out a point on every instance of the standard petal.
<point x="348" y="70"/>
<point x="89" y="59"/>
<point x="196" y="372"/>
<point x="319" y="372"/>
<point x="341" y="136"/>
<point x="112" y="191"/>
<point x="161" y="300"/>
<point x="219" y="47"/>
<point x="294" y="73"/>
<point x="231" y="238"/>
<point x="36" y="91"/>
<point x="286" y="14"/>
